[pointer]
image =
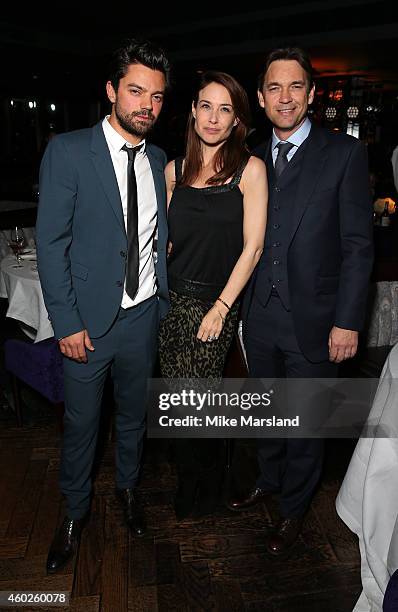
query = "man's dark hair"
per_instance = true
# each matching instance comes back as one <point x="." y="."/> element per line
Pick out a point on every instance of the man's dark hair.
<point x="288" y="53"/>
<point x="137" y="52"/>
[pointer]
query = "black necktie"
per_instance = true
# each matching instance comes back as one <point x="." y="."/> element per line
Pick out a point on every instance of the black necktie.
<point x="133" y="259"/>
<point x="281" y="161"/>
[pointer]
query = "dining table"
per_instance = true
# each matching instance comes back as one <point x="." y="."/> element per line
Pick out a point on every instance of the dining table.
<point x="21" y="286"/>
<point x="368" y="498"/>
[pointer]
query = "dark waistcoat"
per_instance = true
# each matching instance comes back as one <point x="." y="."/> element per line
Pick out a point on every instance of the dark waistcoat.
<point x="272" y="268"/>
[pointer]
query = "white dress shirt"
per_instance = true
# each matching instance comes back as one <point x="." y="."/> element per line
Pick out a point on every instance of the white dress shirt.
<point x="147" y="209"/>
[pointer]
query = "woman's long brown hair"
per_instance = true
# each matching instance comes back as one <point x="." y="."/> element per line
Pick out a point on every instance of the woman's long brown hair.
<point x="233" y="152"/>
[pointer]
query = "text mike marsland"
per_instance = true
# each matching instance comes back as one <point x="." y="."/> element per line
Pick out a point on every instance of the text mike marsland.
<point x="223" y="421"/>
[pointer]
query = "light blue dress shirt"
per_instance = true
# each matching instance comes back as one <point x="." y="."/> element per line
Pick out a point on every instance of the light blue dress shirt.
<point x="296" y="139"/>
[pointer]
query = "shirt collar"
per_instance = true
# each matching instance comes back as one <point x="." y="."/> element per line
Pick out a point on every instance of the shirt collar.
<point x="116" y="140"/>
<point x="297" y="138"/>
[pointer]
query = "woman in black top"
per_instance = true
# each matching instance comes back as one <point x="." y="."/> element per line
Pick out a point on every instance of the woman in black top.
<point x="217" y="198"/>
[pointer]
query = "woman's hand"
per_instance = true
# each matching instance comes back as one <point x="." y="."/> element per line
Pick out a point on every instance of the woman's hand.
<point x="212" y="324"/>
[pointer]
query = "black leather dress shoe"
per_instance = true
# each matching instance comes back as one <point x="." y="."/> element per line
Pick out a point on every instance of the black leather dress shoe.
<point x="255" y="496"/>
<point x="185" y="498"/>
<point x="209" y="495"/>
<point x="133" y="512"/>
<point x="64" y="544"/>
<point x="280" y="542"/>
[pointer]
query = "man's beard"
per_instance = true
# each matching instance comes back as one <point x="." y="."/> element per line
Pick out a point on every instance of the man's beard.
<point x="133" y="126"/>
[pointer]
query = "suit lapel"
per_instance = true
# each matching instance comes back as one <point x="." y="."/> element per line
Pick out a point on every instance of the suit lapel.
<point x="102" y="161"/>
<point x="312" y="164"/>
<point x="263" y="151"/>
<point x="160" y="188"/>
<point x="270" y="167"/>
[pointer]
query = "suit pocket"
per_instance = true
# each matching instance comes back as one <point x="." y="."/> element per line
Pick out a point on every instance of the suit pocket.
<point x="327" y="284"/>
<point x="79" y="270"/>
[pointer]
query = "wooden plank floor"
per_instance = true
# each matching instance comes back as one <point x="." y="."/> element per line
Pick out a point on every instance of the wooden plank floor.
<point x="215" y="563"/>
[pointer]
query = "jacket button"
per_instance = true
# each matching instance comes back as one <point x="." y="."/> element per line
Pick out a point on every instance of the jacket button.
<point x="276" y="244"/>
<point x="123" y="254"/>
<point x="119" y="283"/>
<point x="276" y="226"/>
<point x="276" y="262"/>
<point x="277" y="189"/>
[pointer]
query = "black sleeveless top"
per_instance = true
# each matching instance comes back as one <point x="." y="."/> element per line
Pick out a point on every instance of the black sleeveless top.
<point x="206" y="232"/>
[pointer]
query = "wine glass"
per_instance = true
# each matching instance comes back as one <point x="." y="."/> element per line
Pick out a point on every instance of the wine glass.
<point x="17" y="243"/>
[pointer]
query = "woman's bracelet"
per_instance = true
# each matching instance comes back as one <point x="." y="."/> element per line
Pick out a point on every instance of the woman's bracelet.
<point x="222" y="302"/>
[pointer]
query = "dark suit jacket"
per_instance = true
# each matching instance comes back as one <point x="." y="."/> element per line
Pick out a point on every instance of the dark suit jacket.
<point x="330" y="252"/>
<point x="81" y="237"/>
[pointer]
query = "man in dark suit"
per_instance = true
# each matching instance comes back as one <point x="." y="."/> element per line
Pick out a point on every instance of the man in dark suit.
<point x="306" y="301"/>
<point x="102" y="206"/>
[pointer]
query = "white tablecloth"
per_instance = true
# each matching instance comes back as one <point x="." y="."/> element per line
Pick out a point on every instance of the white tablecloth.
<point x="383" y="320"/>
<point x="29" y="233"/>
<point x="368" y="499"/>
<point x="25" y="298"/>
<point x="394" y="161"/>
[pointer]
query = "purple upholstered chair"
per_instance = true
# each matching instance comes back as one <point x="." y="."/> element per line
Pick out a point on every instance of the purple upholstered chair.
<point x="390" y="603"/>
<point x="39" y="366"/>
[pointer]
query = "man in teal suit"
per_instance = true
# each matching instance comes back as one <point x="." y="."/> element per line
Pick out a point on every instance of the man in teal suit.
<point x="102" y="211"/>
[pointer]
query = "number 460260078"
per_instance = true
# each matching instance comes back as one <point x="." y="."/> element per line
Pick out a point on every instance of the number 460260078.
<point x="10" y="598"/>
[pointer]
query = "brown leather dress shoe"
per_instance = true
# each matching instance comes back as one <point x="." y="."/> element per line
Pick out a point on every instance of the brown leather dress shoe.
<point x="185" y="498"/>
<point x="255" y="496"/>
<point x="279" y="542"/>
<point x="133" y="512"/>
<point x="64" y="544"/>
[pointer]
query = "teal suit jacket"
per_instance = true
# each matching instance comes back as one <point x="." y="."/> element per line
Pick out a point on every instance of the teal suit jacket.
<point x="81" y="236"/>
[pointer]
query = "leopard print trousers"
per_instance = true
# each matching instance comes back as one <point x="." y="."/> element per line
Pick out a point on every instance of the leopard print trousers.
<point x="181" y="354"/>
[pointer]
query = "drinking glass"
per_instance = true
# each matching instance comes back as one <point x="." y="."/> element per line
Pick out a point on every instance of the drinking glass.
<point x="17" y="243"/>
